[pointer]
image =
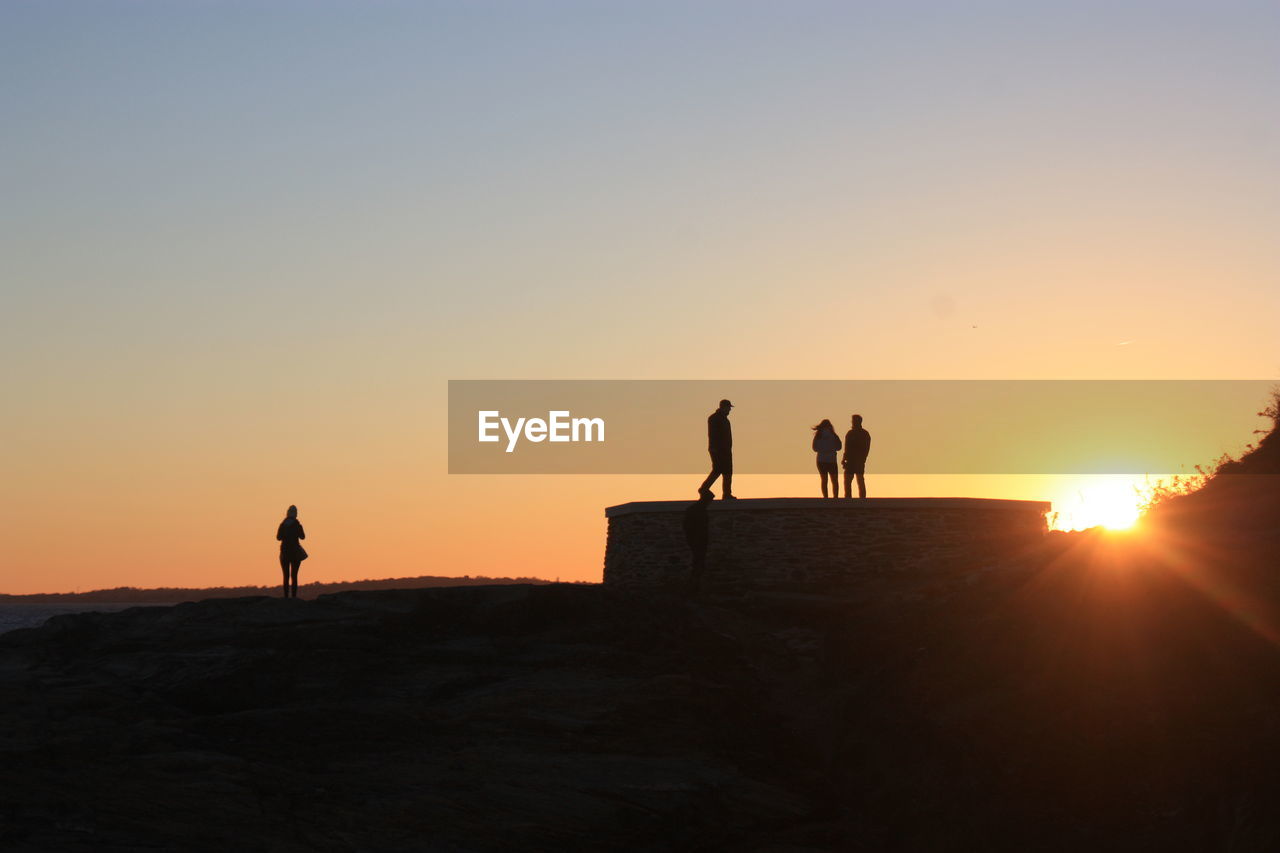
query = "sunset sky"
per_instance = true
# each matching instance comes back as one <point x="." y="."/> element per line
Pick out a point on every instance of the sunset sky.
<point x="244" y="247"/>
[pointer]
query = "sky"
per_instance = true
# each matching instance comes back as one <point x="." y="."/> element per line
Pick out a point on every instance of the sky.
<point x="244" y="247"/>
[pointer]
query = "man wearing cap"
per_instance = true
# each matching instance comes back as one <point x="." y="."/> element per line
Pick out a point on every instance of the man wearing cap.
<point x="720" y="445"/>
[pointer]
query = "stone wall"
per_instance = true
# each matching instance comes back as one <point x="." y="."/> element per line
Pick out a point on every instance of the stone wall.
<point x="795" y="542"/>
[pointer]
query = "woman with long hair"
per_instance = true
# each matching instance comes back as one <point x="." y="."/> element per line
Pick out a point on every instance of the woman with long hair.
<point x="291" y="551"/>
<point x="827" y="444"/>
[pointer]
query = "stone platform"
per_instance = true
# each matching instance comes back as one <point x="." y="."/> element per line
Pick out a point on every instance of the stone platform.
<point x="789" y="542"/>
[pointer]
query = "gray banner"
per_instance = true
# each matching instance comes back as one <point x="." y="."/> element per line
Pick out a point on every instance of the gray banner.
<point x="917" y="426"/>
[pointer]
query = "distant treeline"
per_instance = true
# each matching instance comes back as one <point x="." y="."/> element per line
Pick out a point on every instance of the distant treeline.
<point x="310" y="590"/>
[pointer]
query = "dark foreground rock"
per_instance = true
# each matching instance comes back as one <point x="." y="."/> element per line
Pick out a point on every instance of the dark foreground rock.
<point x="1052" y="705"/>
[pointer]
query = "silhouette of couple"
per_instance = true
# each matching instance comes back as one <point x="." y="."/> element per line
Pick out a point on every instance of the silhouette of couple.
<point x="856" y="446"/>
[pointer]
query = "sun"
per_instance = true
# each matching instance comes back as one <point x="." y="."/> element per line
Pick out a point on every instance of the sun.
<point x="1110" y="502"/>
<point x="1116" y="512"/>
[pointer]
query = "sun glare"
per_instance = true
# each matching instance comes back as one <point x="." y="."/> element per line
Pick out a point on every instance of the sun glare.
<point x="1110" y="502"/>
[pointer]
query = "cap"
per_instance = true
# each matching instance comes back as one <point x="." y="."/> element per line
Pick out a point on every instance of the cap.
<point x="726" y="403"/>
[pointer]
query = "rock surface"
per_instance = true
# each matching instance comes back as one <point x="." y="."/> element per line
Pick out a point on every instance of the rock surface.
<point x="1032" y="706"/>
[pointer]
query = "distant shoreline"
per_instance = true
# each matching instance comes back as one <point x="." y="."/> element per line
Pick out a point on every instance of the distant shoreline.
<point x="172" y="595"/>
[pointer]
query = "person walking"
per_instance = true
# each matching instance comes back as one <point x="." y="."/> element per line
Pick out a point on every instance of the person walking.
<point x="857" y="446"/>
<point x="291" y="551"/>
<point x="826" y="444"/>
<point x="720" y="446"/>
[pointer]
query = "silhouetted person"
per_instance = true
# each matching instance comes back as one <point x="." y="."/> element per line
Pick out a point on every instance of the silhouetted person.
<point x="826" y="444"/>
<point x="697" y="532"/>
<point x="291" y="551"/>
<point x="720" y="445"/>
<point x="857" y="446"/>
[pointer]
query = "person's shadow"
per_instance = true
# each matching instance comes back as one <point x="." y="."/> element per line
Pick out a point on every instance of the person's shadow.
<point x="697" y="532"/>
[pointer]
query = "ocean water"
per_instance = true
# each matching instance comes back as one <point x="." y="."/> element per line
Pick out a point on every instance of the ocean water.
<point x="14" y="616"/>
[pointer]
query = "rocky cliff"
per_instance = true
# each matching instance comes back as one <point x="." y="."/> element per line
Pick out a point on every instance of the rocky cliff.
<point x="1051" y="702"/>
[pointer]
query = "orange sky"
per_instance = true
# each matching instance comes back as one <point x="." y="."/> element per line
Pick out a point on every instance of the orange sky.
<point x="246" y="248"/>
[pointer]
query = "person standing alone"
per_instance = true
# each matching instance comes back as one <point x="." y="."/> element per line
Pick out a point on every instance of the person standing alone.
<point x="291" y="551"/>
<point x="720" y="446"/>
<point x="857" y="446"/>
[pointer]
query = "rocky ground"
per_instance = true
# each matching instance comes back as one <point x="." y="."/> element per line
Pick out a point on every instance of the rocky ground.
<point x="1060" y="702"/>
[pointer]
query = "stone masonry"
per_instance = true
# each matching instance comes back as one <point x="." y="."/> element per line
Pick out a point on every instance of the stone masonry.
<point x="797" y="542"/>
